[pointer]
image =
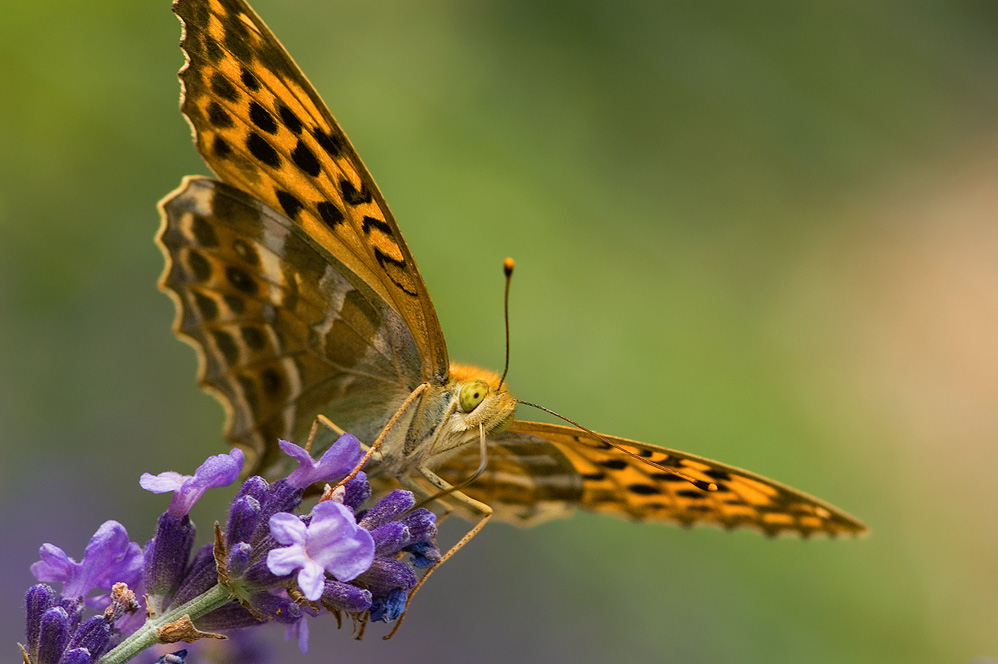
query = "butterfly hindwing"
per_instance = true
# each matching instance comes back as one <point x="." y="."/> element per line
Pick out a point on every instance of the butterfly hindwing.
<point x="262" y="128"/>
<point x="284" y="330"/>
<point x="539" y="471"/>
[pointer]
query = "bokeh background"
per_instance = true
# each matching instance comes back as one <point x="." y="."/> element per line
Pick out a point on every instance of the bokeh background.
<point x="764" y="233"/>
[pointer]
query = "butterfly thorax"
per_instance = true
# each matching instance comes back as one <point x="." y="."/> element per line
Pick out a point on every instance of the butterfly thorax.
<point x="472" y="404"/>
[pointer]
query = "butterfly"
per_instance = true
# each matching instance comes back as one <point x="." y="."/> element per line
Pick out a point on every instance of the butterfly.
<point x="294" y="284"/>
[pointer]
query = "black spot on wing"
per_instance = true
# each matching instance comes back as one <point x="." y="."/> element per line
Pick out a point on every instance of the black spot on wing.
<point x="330" y="213"/>
<point x="332" y="144"/>
<point x="253" y="337"/>
<point x="262" y="150"/>
<point x="613" y="464"/>
<point x="272" y="381"/>
<point x="199" y="265"/>
<point x="248" y="390"/>
<point x="240" y="280"/>
<point x="226" y="346"/>
<point x="643" y="489"/>
<point x="220" y="147"/>
<point x="262" y="118"/>
<point x="205" y="306"/>
<point x="305" y="159"/>
<point x="289" y="118"/>
<point x="249" y="80"/>
<point x="223" y="87"/>
<point x="666" y="477"/>
<point x="386" y="262"/>
<point x="291" y="205"/>
<point x="213" y="52"/>
<point x="370" y="223"/>
<point x="218" y="117"/>
<point x="204" y="234"/>
<point x="350" y="194"/>
<point x="237" y="40"/>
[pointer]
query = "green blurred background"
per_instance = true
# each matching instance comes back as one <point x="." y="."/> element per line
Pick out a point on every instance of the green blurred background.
<point x="764" y="233"/>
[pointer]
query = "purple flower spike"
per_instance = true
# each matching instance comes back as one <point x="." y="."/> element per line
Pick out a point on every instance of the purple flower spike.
<point x="422" y="525"/>
<point x="335" y="464"/>
<point x="345" y="597"/>
<point x="53" y="635"/>
<point x="244" y="517"/>
<point x="167" y="556"/>
<point x="239" y="558"/>
<point x="389" y="538"/>
<point x="202" y="574"/>
<point x="332" y="541"/>
<point x="424" y="554"/>
<point x="39" y="599"/>
<point x="387" y="574"/>
<point x="93" y="635"/>
<point x="216" y="471"/>
<point x="227" y="617"/>
<point x="341" y="559"/>
<point x="278" y="608"/>
<point x="109" y="555"/>
<point x="388" y="509"/>
<point x="390" y="608"/>
<point x="356" y="491"/>
<point x="77" y="656"/>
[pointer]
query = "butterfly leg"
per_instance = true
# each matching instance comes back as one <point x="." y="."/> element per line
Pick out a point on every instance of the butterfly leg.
<point x="479" y="508"/>
<point x="323" y="421"/>
<point x="409" y="400"/>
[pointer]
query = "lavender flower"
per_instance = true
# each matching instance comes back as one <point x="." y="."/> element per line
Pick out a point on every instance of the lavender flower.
<point x="269" y="564"/>
<point x="335" y="464"/>
<point x="55" y="630"/>
<point x="216" y="471"/>
<point x="395" y="530"/>
<point x="109" y="557"/>
<point x="331" y="542"/>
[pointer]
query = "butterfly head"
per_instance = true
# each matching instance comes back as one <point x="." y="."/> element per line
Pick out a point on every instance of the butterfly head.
<point x="481" y="399"/>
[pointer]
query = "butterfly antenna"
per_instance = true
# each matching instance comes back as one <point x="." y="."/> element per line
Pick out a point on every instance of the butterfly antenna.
<point x="700" y="484"/>
<point x="507" y="268"/>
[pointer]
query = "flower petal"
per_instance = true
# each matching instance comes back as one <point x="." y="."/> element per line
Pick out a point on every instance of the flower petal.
<point x="288" y="528"/>
<point x="54" y="565"/>
<point x="311" y="580"/>
<point x="162" y="483"/>
<point x="220" y="469"/>
<point x="285" y="560"/>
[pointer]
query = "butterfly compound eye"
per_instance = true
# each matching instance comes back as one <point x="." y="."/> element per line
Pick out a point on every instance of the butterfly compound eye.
<point x="472" y="394"/>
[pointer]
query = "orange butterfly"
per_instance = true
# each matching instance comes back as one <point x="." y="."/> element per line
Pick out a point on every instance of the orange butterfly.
<point x="293" y="282"/>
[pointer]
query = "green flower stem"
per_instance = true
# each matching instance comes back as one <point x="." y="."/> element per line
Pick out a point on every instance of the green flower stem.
<point x="147" y="636"/>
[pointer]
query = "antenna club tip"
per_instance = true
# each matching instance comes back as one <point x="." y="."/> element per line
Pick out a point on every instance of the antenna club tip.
<point x="706" y="486"/>
<point x="507" y="266"/>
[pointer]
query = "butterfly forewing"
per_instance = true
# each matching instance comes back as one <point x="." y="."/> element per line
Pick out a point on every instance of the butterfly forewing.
<point x="284" y="331"/>
<point x="540" y="471"/>
<point x="261" y="127"/>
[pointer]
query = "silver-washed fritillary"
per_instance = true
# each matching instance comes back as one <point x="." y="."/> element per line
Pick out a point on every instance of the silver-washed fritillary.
<point x="293" y="282"/>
